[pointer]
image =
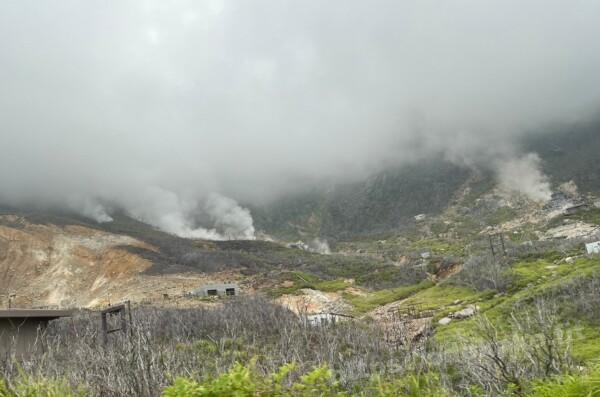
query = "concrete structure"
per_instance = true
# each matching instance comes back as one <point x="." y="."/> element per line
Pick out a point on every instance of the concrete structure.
<point x="217" y="290"/>
<point x="593" y="248"/>
<point x="319" y="319"/>
<point x="19" y="328"/>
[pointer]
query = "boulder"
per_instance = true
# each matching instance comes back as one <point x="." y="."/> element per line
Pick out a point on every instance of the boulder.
<point x="445" y="321"/>
<point x="465" y="313"/>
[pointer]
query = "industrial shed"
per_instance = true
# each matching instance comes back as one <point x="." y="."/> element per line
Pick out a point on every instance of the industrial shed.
<point x="218" y="290"/>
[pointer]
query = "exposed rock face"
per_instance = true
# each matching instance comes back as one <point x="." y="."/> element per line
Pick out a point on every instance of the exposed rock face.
<point x="571" y="230"/>
<point x="313" y="302"/>
<point x="75" y="266"/>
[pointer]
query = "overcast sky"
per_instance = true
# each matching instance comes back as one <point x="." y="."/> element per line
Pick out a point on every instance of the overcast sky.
<point x="133" y="101"/>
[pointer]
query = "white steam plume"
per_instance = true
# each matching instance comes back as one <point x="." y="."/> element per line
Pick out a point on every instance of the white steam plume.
<point x="173" y="214"/>
<point x="152" y="105"/>
<point x="524" y="175"/>
<point x="89" y="208"/>
<point x="320" y="246"/>
<point x="234" y="221"/>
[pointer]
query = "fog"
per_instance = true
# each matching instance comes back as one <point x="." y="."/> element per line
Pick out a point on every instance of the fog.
<point x="175" y="110"/>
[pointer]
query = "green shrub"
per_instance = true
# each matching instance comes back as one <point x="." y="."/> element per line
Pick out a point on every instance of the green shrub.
<point x="26" y="386"/>
<point x="586" y="385"/>
<point x="244" y="381"/>
<point x="425" y="385"/>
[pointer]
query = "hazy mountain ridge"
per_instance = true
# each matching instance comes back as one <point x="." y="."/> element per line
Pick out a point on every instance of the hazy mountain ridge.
<point x="570" y="153"/>
<point x="388" y="200"/>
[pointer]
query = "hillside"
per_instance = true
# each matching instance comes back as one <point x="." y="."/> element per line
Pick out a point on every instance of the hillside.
<point x="383" y="202"/>
<point x="426" y="310"/>
<point x="62" y="260"/>
<point x="421" y="304"/>
<point x="388" y="201"/>
<point x="375" y="240"/>
<point x="570" y="152"/>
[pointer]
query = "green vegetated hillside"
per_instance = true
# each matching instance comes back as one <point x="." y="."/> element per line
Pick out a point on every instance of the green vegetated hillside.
<point x="386" y="201"/>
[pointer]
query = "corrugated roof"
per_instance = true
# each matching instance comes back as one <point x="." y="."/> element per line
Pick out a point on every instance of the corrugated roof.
<point x="34" y="313"/>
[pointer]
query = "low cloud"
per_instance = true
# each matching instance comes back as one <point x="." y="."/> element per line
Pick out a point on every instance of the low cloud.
<point x="175" y="111"/>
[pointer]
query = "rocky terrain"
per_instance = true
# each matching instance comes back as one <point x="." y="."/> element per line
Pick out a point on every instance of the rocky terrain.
<point x="75" y="266"/>
<point x="60" y="261"/>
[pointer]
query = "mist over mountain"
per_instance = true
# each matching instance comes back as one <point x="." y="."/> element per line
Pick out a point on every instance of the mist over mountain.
<point x="175" y="112"/>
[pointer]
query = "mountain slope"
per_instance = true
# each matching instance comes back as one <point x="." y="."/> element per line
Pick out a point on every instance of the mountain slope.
<point x="386" y="201"/>
<point x="571" y="152"/>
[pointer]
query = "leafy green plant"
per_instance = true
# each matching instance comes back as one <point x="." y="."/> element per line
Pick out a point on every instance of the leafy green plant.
<point x="26" y="386"/>
<point x="423" y="385"/>
<point x="585" y="385"/>
<point x="244" y="381"/>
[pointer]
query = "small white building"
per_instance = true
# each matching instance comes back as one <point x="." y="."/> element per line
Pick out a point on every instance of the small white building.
<point x="593" y="248"/>
<point x="217" y="290"/>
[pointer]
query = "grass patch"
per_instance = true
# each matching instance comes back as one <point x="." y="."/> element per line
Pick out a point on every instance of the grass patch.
<point x="298" y="281"/>
<point x="501" y="215"/>
<point x="586" y="343"/>
<point x="578" y="385"/>
<point x="363" y="304"/>
<point x="533" y="280"/>
<point x="543" y="273"/>
<point x="331" y="286"/>
<point x="437" y="247"/>
<point x="442" y="295"/>
<point x="302" y="280"/>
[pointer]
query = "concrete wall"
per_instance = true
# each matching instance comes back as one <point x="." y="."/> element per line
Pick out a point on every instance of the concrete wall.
<point x="221" y="289"/>
<point x="19" y="335"/>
